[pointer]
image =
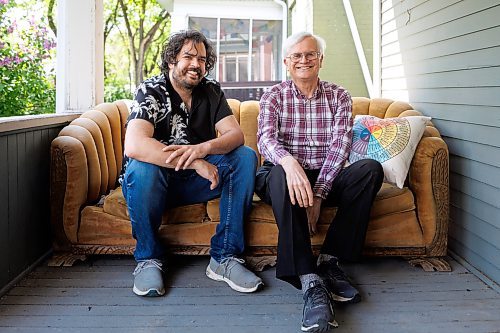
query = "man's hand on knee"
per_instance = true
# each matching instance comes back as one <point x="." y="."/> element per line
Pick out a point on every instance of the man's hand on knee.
<point x="208" y="171"/>
<point x="313" y="213"/>
<point x="186" y="154"/>
<point x="299" y="188"/>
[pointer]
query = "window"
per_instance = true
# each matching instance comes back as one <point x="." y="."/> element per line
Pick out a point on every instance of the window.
<point x="266" y="50"/>
<point x="233" y="50"/>
<point x="247" y="49"/>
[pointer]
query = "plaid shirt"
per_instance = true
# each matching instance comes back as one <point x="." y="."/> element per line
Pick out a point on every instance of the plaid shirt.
<point x="316" y="131"/>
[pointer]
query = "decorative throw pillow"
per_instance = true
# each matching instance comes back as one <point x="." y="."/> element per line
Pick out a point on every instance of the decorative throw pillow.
<point x="391" y="141"/>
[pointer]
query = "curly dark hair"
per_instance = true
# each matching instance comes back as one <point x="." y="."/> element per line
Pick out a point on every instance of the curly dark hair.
<point x="176" y="41"/>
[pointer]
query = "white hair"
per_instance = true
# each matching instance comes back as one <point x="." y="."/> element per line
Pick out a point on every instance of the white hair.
<point x="299" y="37"/>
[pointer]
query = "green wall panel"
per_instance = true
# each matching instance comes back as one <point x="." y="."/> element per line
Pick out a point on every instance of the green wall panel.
<point x="341" y="64"/>
<point x="24" y="198"/>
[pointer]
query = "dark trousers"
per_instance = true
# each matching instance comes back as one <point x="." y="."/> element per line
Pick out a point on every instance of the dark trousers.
<point x="353" y="192"/>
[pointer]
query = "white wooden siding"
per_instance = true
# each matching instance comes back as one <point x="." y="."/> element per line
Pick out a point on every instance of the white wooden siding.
<point x="444" y="57"/>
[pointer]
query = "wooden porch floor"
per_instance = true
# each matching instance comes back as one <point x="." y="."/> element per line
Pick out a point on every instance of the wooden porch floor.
<point x="96" y="296"/>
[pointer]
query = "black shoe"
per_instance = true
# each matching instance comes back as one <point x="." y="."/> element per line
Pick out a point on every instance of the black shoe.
<point x="318" y="315"/>
<point x="337" y="282"/>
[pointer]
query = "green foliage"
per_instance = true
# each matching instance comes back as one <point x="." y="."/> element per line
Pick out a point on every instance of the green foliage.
<point x="134" y="31"/>
<point x="137" y="29"/>
<point x="115" y="89"/>
<point x="26" y="84"/>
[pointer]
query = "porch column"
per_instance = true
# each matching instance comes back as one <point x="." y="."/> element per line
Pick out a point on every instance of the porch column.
<point x="80" y="55"/>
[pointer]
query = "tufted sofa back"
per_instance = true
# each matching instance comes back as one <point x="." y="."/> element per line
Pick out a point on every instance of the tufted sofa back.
<point x="379" y="107"/>
<point x="101" y="133"/>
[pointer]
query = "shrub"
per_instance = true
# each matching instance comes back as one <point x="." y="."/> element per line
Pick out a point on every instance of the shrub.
<point x="115" y="90"/>
<point x="27" y="83"/>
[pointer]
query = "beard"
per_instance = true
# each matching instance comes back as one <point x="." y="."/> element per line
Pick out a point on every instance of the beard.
<point x="180" y="76"/>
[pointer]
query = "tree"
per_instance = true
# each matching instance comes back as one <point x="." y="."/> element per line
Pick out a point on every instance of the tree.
<point x="110" y="23"/>
<point x="50" y="16"/>
<point x="141" y="23"/>
<point x="145" y="23"/>
<point x="134" y="32"/>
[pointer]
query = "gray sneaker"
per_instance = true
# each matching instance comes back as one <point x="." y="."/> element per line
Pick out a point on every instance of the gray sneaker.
<point x="148" y="279"/>
<point x="237" y="276"/>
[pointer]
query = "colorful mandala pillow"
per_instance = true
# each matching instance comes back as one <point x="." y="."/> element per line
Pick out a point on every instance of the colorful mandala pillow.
<point x="391" y="141"/>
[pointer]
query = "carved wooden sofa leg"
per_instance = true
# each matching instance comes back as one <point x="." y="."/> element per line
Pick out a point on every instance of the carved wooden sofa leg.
<point x="430" y="264"/>
<point x="81" y="252"/>
<point x="66" y="259"/>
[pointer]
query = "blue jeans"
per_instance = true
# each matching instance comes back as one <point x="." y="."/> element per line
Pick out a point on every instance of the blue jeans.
<point x="150" y="189"/>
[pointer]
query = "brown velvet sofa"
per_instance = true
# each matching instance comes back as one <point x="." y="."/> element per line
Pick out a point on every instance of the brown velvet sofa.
<point x="89" y="214"/>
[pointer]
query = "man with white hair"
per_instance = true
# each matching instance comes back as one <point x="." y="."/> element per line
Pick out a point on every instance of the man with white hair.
<point x="305" y="133"/>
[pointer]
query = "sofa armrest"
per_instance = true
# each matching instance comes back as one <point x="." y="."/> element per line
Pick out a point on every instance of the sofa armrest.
<point x="68" y="189"/>
<point x="429" y="182"/>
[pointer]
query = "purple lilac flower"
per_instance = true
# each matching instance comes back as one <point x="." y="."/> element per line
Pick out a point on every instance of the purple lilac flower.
<point x="48" y="44"/>
<point x="41" y="32"/>
<point x="4" y="2"/>
<point x="12" y="27"/>
<point x="5" y="62"/>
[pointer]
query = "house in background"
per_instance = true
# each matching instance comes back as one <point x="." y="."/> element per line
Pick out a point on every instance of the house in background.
<point x="348" y="29"/>
<point x="249" y="35"/>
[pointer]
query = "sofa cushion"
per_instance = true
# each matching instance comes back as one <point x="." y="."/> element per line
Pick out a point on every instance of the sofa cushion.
<point x="103" y="231"/>
<point x="115" y="205"/>
<point x="391" y="141"/>
<point x="97" y="227"/>
<point x="100" y="228"/>
<point x="389" y="200"/>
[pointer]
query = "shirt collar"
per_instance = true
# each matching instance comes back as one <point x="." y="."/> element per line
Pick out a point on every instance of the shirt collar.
<point x="298" y="94"/>
<point x="197" y="92"/>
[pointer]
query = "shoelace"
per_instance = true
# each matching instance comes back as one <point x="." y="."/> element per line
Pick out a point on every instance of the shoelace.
<point x="337" y="273"/>
<point x="148" y="263"/>
<point x="226" y="264"/>
<point x="318" y="296"/>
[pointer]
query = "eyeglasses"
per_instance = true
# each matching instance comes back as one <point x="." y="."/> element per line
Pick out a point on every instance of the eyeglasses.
<point x="296" y="57"/>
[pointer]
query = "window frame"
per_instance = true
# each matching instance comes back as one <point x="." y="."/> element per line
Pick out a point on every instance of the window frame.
<point x="216" y="72"/>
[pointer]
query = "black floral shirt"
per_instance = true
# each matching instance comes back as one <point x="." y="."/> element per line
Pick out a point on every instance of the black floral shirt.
<point x="157" y="102"/>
